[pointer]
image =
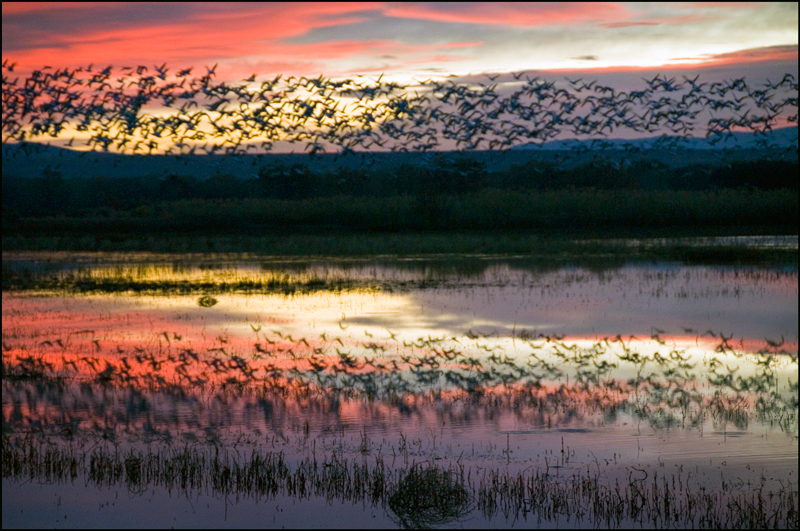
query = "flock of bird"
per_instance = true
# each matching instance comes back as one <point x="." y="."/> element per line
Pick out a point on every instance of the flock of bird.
<point x="148" y="110"/>
<point x="546" y="373"/>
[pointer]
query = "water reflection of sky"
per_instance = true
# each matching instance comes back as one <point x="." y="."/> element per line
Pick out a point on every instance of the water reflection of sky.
<point x="750" y="303"/>
<point x="631" y="300"/>
<point x="546" y="376"/>
<point x="454" y="296"/>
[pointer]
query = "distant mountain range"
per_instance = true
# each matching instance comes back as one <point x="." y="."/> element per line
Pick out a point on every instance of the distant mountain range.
<point x="31" y="160"/>
<point x="777" y="139"/>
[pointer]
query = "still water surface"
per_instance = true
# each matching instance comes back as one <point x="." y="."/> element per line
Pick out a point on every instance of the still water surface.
<point x="486" y="363"/>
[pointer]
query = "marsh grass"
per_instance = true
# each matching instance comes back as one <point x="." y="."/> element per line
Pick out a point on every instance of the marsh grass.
<point x="490" y="209"/>
<point x="247" y="273"/>
<point x="420" y="495"/>
<point x="492" y="221"/>
<point x="161" y="279"/>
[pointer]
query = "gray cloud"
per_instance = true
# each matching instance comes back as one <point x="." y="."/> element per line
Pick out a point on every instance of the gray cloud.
<point x="410" y="31"/>
<point x="46" y="28"/>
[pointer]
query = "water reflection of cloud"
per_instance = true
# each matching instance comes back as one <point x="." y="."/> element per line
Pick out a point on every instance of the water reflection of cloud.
<point x="632" y="300"/>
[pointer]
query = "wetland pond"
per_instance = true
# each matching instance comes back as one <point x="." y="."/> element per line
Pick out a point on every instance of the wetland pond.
<point x="442" y="391"/>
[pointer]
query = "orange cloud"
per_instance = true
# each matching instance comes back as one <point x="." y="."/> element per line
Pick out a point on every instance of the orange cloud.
<point x="15" y="8"/>
<point x="462" y="44"/>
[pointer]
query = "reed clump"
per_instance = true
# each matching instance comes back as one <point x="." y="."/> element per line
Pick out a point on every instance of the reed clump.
<point x="428" y="498"/>
<point x="420" y="496"/>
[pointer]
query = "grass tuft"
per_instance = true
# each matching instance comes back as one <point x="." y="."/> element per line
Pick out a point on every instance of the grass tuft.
<point x="428" y="498"/>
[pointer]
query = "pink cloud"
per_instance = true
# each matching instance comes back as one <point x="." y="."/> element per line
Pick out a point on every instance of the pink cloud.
<point x="242" y="38"/>
<point x="59" y="33"/>
<point x="245" y="38"/>
<point x="463" y="44"/>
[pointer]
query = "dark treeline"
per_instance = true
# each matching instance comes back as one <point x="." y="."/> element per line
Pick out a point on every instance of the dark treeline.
<point x="413" y="197"/>
<point x="50" y="194"/>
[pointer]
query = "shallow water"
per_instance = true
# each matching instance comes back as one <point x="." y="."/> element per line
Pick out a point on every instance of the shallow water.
<point x="485" y="364"/>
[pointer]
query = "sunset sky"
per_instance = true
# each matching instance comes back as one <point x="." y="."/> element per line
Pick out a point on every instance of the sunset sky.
<point x="616" y="44"/>
<point x="405" y="40"/>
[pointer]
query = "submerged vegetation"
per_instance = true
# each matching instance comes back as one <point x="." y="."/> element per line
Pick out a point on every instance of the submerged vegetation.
<point x="469" y="252"/>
